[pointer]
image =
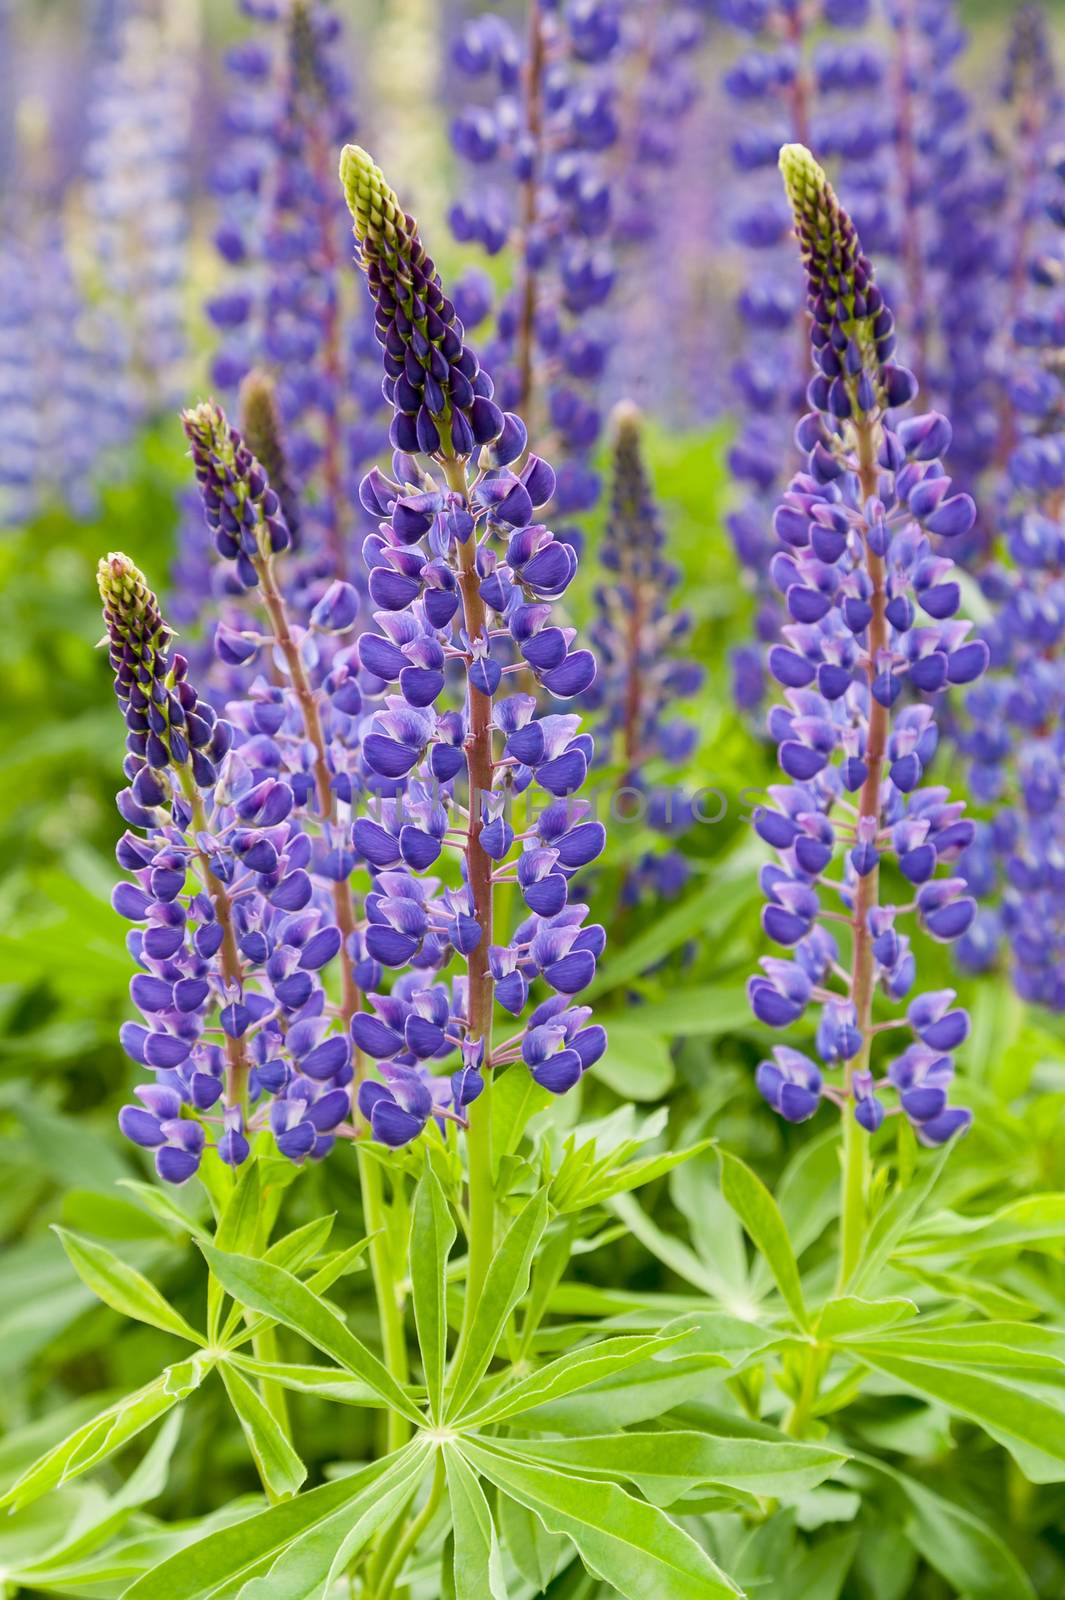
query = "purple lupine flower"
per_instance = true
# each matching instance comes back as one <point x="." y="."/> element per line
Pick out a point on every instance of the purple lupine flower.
<point x="56" y="361"/>
<point x="644" y="675"/>
<point x="463" y="577"/>
<point x="539" y="134"/>
<point x="1034" y="104"/>
<point x="229" y="934"/>
<point x="802" y="78"/>
<point x="284" y="305"/>
<point x="858" y="563"/>
<point x="137" y="158"/>
<point x="1013" y="732"/>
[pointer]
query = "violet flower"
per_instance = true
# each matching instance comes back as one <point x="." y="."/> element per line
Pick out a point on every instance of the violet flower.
<point x="463" y="579"/>
<point x="801" y="79"/>
<point x="1014" y="729"/>
<point x="539" y="134"/>
<point x="137" y="157"/>
<point x="284" y="307"/>
<point x="639" y="636"/>
<point x="858" y="564"/>
<point x="229" y="936"/>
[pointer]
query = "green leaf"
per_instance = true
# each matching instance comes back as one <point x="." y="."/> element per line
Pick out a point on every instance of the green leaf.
<point x="261" y="1286"/>
<point x="313" y="1563"/>
<point x="241" y="1220"/>
<point x="624" y="1541"/>
<point x="567" y="1375"/>
<point x="960" y="1546"/>
<point x="169" y="1208"/>
<point x="123" y="1288"/>
<point x="1034" y="1223"/>
<point x="637" y="1064"/>
<point x="506" y="1282"/>
<point x="278" y="1465"/>
<point x="534" y="1552"/>
<point x="760" y="1215"/>
<point x="892" y="1223"/>
<point x="1026" y="1416"/>
<point x="1014" y="1345"/>
<point x="820" y="1572"/>
<point x="328" y="1383"/>
<point x="516" y="1098"/>
<point x="219" y="1564"/>
<point x="646" y="1390"/>
<point x="633" y="1175"/>
<point x="102" y="1435"/>
<point x="431" y="1236"/>
<point x="668" y="1465"/>
<point x="845" y="1315"/>
<point x="478" y="1566"/>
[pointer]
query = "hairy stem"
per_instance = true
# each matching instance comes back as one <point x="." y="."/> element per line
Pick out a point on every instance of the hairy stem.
<point x="237" y="1063"/>
<point x="863" y="971"/>
<point x="479" y="877"/>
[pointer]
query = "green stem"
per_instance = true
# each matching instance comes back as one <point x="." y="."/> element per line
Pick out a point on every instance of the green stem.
<point x="264" y="1348"/>
<point x="853" y="1190"/>
<point x="386" y="1293"/>
<point x="482" y="1209"/>
<point x="809" y="1385"/>
<point x="409" y="1541"/>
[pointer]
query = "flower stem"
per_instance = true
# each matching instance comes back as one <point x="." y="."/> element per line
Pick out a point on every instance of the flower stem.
<point x="855" y="1176"/>
<point x="237" y="1064"/>
<point x="481" y="988"/>
<point x="389" y="1310"/>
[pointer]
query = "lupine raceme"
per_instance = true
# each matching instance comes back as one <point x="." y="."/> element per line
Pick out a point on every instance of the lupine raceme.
<point x="228" y="938"/>
<point x="463" y="578"/>
<point x="873" y="636"/>
<point x="639" y="637"/>
<point x="1013" y="732"/>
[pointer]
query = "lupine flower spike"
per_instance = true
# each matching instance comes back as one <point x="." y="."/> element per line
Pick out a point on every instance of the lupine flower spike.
<point x="644" y="672"/>
<point x="228" y="938"/>
<point x="873" y="636"/>
<point x="463" y="578"/>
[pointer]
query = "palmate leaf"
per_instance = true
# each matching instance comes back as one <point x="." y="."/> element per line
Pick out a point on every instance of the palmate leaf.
<point x="123" y="1288"/>
<point x="477" y="1562"/>
<point x="102" y="1435"/>
<point x="298" y="1542"/>
<point x="624" y="1541"/>
<point x="432" y="1235"/>
<point x="261" y="1286"/>
<point x="667" y="1466"/>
